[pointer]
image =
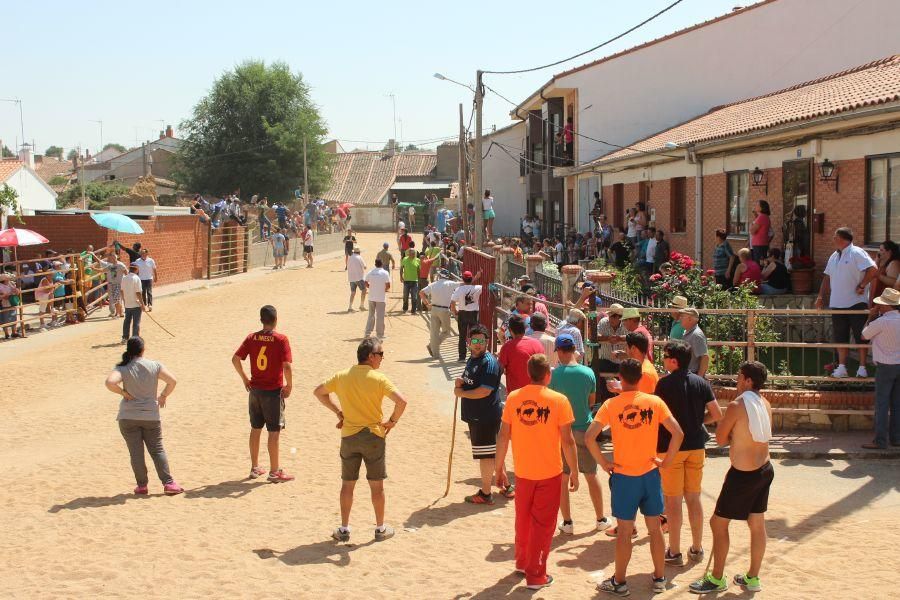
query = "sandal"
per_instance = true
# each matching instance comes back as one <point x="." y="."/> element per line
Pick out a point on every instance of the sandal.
<point x="510" y="491"/>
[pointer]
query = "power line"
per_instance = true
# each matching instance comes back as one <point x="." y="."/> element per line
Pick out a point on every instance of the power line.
<point x="588" y="51"/>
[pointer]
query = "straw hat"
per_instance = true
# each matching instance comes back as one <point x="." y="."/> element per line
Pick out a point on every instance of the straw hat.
<point x="631" y="313"/>
<point x="679" y="302"/>
<point x="889" y="297"/>
<point x="690" y="311"/>
<point x="615" y="309"/>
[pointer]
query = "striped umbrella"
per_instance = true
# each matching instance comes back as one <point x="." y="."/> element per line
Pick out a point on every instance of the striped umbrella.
<point x="13" y="238"/>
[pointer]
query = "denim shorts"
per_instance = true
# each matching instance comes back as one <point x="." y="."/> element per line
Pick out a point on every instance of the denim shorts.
<point x="358" y="285"/>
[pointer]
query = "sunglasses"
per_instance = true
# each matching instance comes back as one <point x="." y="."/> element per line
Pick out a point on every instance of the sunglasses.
<point x="477" y="340"/>
<point x="381" y="354"/>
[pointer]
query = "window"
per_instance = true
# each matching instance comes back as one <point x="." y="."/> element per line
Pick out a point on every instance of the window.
<point x="737" y="202"/>
<point x="677" y="210"/>
<point x="883" y="211"/>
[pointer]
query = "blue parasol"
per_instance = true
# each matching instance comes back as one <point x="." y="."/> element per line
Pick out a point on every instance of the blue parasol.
<point x="117" y="222"/>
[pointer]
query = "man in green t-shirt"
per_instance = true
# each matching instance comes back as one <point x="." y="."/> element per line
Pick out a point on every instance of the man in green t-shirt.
<point x="409" y="273"/>
<point x="579" y="385"/>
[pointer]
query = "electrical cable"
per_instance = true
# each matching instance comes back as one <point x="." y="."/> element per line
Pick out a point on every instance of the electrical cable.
<point x="597" y="47"/>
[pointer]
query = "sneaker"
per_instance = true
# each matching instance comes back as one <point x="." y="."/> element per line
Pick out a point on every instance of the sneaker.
<point x="537" y="586"/>
<point x="696" y="555"/>
<point x="611" y="587"/>
<point x="257" y="472"/>
<point x="480" y="497"/>
<point x="172" y="489"/>
<point x="566" y="527"/>
<point x="510" y="491"/>
<point x="708" y="585"/>
<point x="862" y="372"/>
<point x="340" y="534"/>
<point x="674" y="559"/>
<point x="141" y="490"/>
<point x="659" y="584"/>
<point x="751" y="584"/>
<point x="603" y="524"/>
<point x="840" y="372"/>
<point x="279" y="476"/>
<point x="614" y="532"/>
<point x="362" y="307"/>
<point x="384" y="533"/>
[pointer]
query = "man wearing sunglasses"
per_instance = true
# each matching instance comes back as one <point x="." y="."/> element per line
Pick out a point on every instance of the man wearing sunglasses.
<point x="361" y="390"/>
<point x="481" y="409"/>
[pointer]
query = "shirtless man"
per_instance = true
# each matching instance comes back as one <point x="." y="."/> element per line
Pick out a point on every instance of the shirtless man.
<point x="747" y="428"/>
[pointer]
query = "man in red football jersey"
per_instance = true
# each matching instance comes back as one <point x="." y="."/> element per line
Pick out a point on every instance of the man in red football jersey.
<point x="269" y="385"/>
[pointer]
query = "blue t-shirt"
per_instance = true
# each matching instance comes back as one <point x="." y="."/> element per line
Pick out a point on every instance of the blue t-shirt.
<point x="281" y="212"/>
<point x="61" y="290"/>
<point x="483" y="371"/>
<point x="576" y="383"/>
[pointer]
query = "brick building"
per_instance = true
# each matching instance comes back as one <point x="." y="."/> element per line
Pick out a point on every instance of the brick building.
<point x="830" y="146"/>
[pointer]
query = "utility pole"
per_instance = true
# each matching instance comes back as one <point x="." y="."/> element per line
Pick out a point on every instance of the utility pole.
<point x="305" y="174"/>
<point x="463" y="193"/>
<point x="477" y="179"/>
<point x="84" y="204"/>
<point x="394" y="102"/>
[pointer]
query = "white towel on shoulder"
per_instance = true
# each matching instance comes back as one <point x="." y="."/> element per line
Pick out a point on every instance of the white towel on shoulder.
<point x="758" y="417"/>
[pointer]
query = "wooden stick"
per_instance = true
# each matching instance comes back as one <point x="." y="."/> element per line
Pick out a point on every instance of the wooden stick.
<point x="452" y="444"/>
<point x="158" y="323"/>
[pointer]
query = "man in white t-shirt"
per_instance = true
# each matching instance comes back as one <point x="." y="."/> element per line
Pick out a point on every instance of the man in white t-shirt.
<point x="412" y="216"/>
<point x="356" y="273"/>
<point x="848" y="273"/>
<point x="464" y="303"/>
<point x="308" y="246"/>
<point x="439" y="295"/>
<point x="133" y="300"/>
<point x="378" y="283"/>
<point x="147" y="274"/>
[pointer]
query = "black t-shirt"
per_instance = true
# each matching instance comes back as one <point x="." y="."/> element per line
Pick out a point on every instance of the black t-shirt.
<point x="482" y="371"/>
<point x="349" y="242"/>
<point x="780" y="279"/>
<point x="686" y="394"/>
<point x="620" y="252"/>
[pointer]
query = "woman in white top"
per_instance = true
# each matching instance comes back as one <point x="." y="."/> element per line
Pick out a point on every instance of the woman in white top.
<point x="487" y="205"/>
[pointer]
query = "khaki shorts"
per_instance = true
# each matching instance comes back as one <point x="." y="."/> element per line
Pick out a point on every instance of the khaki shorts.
<point x="361" y="447"/>
<point x="685" y="475"/>
<point x="586" y="462"/>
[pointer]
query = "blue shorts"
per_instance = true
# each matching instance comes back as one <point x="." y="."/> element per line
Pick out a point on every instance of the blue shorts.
<point x="358" y="285"/>
<point x="629" y="493"/>
<point x="488" y="214"/>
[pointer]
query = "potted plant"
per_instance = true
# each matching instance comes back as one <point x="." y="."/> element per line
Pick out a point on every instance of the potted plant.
<point x="802" y="274"/>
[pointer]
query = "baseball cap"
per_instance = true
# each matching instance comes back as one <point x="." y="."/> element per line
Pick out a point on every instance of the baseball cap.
<point x="631" y="313"/>
<point x="565" y="342"/>
<point x="467" y="275"/>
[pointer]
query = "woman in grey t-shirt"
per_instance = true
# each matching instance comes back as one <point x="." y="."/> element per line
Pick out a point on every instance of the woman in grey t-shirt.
<point x="136" y="380"/>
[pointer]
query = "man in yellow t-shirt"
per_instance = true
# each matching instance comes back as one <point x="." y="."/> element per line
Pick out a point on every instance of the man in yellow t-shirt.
<point x="538" y="421"/>
<point x="634" y="418"/>
<point x="361" y="390"/>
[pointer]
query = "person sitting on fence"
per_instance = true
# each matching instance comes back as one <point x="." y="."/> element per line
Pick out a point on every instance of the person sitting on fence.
<point x="9" y="294"/>
<point x="573" y="325"/>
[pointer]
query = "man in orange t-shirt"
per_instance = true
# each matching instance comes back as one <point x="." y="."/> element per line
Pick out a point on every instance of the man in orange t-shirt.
<point x="636" y="346"/>
<point x="538" y="421"/>
<point x="634" y="418"/>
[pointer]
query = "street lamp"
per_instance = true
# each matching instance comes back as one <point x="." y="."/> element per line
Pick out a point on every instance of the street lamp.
<point x="760" y="179"/>
<point x="445" y="78"/>
<point x="827" y="170"/>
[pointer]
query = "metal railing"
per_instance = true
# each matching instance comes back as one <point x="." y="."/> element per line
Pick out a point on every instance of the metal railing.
<point x="514" y="270"/>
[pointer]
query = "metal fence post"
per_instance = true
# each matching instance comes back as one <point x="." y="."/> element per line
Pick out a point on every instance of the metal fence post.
<point x="246" y="249"/>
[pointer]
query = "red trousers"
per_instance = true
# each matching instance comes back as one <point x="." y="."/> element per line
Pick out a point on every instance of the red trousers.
<point x="537" y="503"/>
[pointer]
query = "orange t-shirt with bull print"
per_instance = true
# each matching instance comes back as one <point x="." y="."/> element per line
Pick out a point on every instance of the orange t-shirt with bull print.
<point x="635" y="419"/>
<point x="534" y="414"/>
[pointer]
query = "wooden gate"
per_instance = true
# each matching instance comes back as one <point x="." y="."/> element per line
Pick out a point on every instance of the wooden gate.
<point x="227" y="251"/>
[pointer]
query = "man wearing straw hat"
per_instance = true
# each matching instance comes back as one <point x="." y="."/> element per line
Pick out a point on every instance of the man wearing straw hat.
<point x="631" y="318"/>
<point x="611" y="336"/>
<point x="678" y="303"/>
<point x="884" y="333"/>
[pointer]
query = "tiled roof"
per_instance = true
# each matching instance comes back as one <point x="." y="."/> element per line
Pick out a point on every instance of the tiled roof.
<point x="365" y="177"/>
<point x="870" y="84"/>
<point x="8" y="167"/>
<point x="50" y="167"/>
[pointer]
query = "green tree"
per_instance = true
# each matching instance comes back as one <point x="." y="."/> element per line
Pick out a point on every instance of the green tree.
<point x="7" y="153"/>
<point x="248" y="133"/>
<point x="72" y="154"/>
<point x="98" y="194"/>
<point x="54" y="151"/>
<point x="115" y="146"/>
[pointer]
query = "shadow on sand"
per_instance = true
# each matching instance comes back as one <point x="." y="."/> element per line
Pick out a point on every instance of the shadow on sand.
<point x="327" y="552"/>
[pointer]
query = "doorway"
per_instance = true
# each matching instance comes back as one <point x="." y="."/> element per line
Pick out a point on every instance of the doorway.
<point x="797" y="208"/>
<point x="618" y="216"/>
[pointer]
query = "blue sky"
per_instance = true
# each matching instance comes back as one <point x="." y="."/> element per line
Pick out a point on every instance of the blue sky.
<point x="139" y="66"/>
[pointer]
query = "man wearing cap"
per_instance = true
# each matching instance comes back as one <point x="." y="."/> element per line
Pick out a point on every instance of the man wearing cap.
<point x="437" y="296"/>
<point x="696" y="339"/>
<point x="378" y="284"/>
<point x="356" y="275"/>
<point x="572" y="325"/>
<point x="579" y="385"/>
<point x="464" y="304"/>
<point x="678" y="303"/>
<point x="631" y="318"/>
<point x="884" y="333"/>
<point x="409" y="273"/>
<point x="611" y="336"/>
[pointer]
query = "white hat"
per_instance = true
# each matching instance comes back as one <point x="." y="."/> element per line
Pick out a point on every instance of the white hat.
<point x="679" y="302"/>
<point x="889" y="297"/>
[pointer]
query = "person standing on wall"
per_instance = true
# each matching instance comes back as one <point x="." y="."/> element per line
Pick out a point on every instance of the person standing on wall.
<point x="487" y="204"/>
<point x="147" y="274"/>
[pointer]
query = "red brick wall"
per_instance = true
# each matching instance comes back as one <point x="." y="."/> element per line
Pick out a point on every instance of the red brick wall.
<point x="177" y="243"/>
<point x="715" y="188"/>
<point x="842" y="209"/>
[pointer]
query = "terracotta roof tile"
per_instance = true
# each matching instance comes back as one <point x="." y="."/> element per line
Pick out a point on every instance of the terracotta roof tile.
<point x="365" y="177"/>
<point x="50" y="167"/>
<point x="8" y="167"/>
<point x="867" y="85"/>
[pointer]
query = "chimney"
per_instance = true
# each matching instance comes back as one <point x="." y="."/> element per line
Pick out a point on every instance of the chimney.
<point x="26" y="156"/>
<point x="170" y="133"/>
<point x="162" y="134"/>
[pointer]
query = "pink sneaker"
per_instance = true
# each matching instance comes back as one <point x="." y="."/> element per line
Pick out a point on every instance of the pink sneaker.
<point x="279" y="476"/>
<point x="257" y="472"/>
<point x="141" y="490"/>
<point x="172" y="489"/>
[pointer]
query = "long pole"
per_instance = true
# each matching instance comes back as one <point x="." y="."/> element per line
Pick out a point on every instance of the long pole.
<point x="306" y="195"/>
<point x="463" y="193"/>
<point x="477" y="179"/>
<point x="81" y="179"/>
<point x="452" y="444"/>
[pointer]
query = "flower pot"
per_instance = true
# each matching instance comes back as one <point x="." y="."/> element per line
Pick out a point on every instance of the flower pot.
<point x="802" y="281"/>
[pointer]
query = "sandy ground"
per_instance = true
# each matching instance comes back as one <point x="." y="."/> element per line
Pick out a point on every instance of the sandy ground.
<point x="71" y="527"/>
